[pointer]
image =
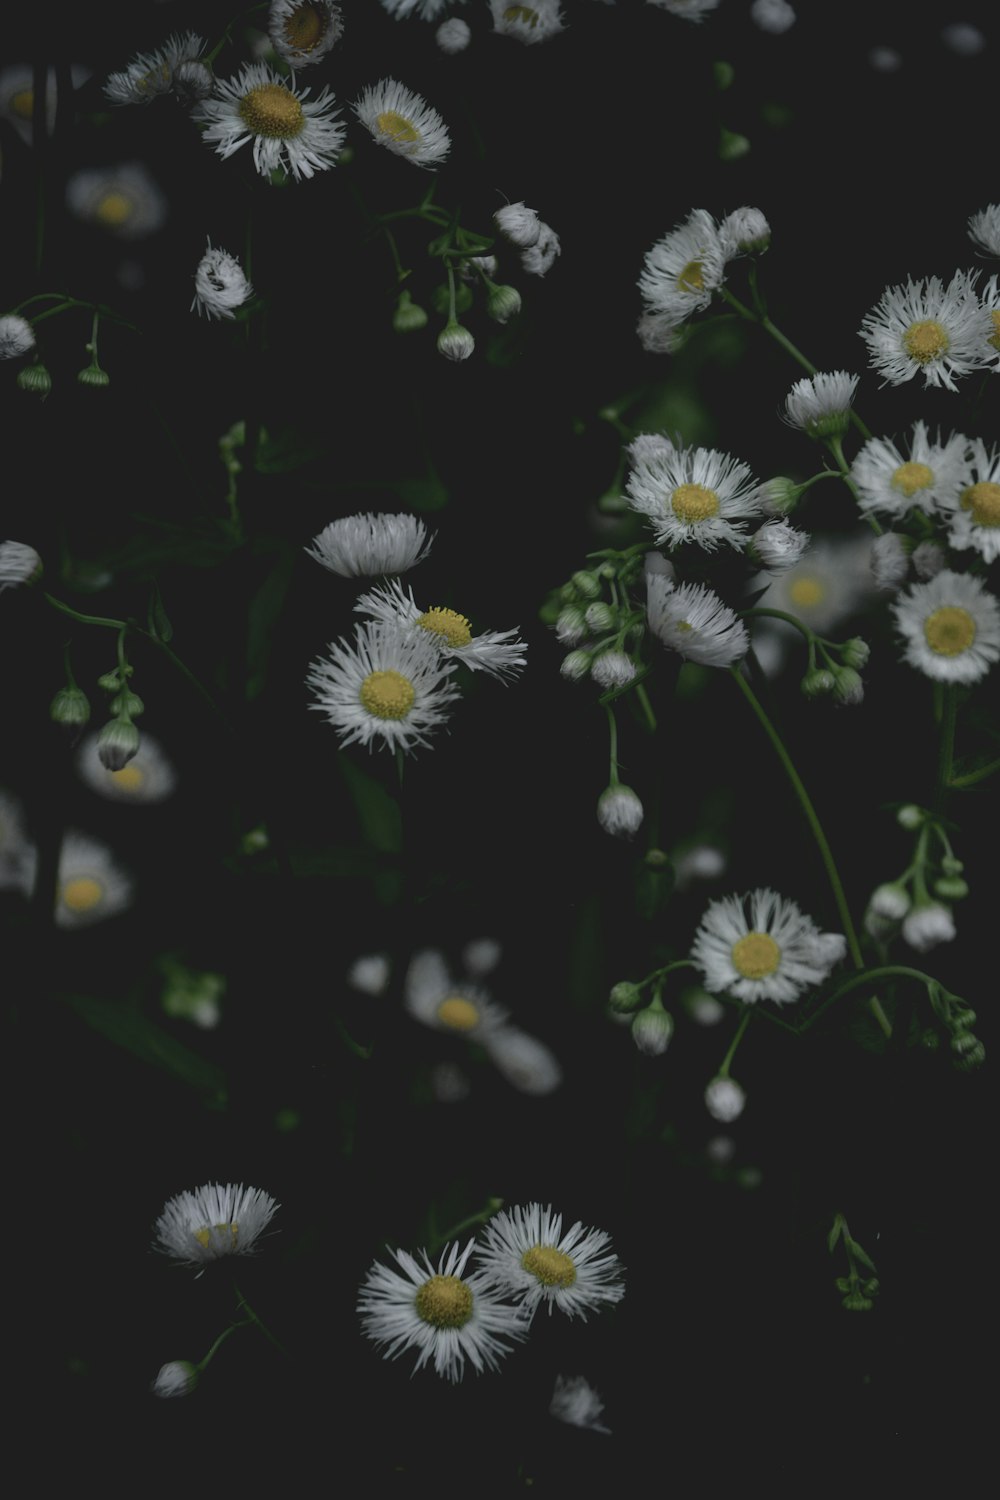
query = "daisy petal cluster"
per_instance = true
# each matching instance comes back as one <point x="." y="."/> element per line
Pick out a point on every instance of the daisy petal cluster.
<point x="525" y="1253"/>
<point x="576" y="1402"/>
<point x="369" y="546"/>
<point x="683" y="269"/>
<point x="527" y="23"/>
<point x="287" y="128"/>
<point x="984" y="229"/>
<point x="17" y="336"/>
<point x="695" y="495"/>
<point x="403" y="123"/>
<point x="950" y="627"/>
<point x="389" y="686"/>
<point x="151" y="74"/>
<point x="991" y="302"/>
<point x="928" y="472"/>
<point x="926" y="328"/>
<point x="975" y="516"/>
<point x="497" y="652"/>
<point x="303" y="31"/>
<point x="821" y="404"/>
<point x="212" y="1222"/>
<point x="760" y="946"/>
<point x="19" y="564"/>
<point x="219" y="284"/>
<point x="693" y="621"/>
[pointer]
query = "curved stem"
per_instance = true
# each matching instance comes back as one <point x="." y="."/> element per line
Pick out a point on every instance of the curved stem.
<point x="741" y="1028"/>
<point x="241" y="1302"/>
<point x="971" y="777"/>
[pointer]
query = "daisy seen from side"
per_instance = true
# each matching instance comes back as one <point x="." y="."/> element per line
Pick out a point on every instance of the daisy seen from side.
<point x="950" y="627"/>
<point x="19" y="564"/>
<point x="928" y="472"/>
<point x="526" y="1255"/>
<point x="694" y="622"/>
<point x="984" y="229"/>
<point x="17" y="336"/>
<point x="929" y="329"/>
<point x="527" y="23"/>
<point x="303" y="31"/>
<point x="684" y="268"/>
<point x="821" y="404"/>
<point x="991" y="302"/>
<point x="151" y="74"/>
<point x="760" y="946"/>
<point x="388" y="686"/>
<point x="220" y="286"/>
<point x="403" y="123"/>
<point x="212" y="1222"/>
<point x="288" y="130"/>
<point x="369" y="546"/>
<point x="696" y="495"/>
<point x="497" y="652"/>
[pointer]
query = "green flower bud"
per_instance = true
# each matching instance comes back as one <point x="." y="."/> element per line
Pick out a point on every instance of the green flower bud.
<point x="857" y="1302"/>
<point x="625" y="996"/>
<point x="656" y="859"/>
<point x="503" y="303"/>
<point x="847" y="686"/>
<point x="441" y="299"/>
<point x="855" y="652"/>
<point x="70" y="706"/>
<point x="35" y="378"/>
<point x="779" y="496"/>
<point x="963" y="1019"/>
<point x="575" y="664"/>
<point x="817" y="682"/>
<point x="94" y="375"/>
<point x="127" y="705"/>
<point x="111" y="682"/>
<point x="652" y="1029"/>
<point x="117" y="743"/>
<point x="968" y="1049"/>
<point x="455" y="342"/>
<point x="950" y="865"/>
<point x="599" y="617"/>
<point x="408" y="317"/>
<point x="587" y="585"/>
<point x="951" y="887"/>
<point x="731" y="145"/>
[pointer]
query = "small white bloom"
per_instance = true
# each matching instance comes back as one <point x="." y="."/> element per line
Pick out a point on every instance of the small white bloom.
<point x="388" y="686"/>
<point x="652" y="1030"/>
<point x="697" y="862"/>
<point x="219" y="284"/>
<point x="926" y="472"/>
<point x="611" y="669"/>
<point x="771" y="951"/>
<point x="526" y="1255"/>
<point x="648" y="446"/>
<point x="519" y="224"/>
<point x="498" y="652"/>
<point x="447" y="1316"/>
<point x="288" y="129"/>
<point x="213" y="1221"/>
<point x="984" y="229"/>
<point x="90" y="885"/>
<point x="925" y="328"/>
<point x="963" y="39"/>
<point x="16" y="336"/>
<point x="148" y="776"/>
<point x="540" y="257"/>
<point x="523" y="1061"/>
<point x="18" y="856"/>
<point x="694" y="622"/>
<point x="370" y="973"/>
<point x="778" y="546"/>
<point x="403" y="122"/>
<point x="691" y="10"/>
<point x="991" y="302"/>
<point x="124" y="200"/>
<point x="19" y="564"/>
<point x="453" y="35"/>
<point x="303" y="31"/>
<point x="821" y="404"/>
<point x="950" y="627"/>
<point x="891" y="900"/>
<point x="890" y="561"/>
<point x="435" y="999"/>
<point x="684" y="268"/>
<point x="527" y="23"/>
<point x="481" y="956"/>
<point x="576" y="1402"/>
<point x="928" y="924"/>
<point x="695" y="495"/>
<point x="774" y="16"/>
<point x="367" y="546"/>
<point x="703" y="1008"/>
<point x="660" y="333"/>
<point x="455" y="342"/>
<point x="974" y="513"/>
<point x="178" y="1378"/>
<point x="928" y="559"/>
<point x="153" y="73"/>
<point x="619" y="811"/>
<point x="744" y="232"/>
<point x="725" y="1100"/>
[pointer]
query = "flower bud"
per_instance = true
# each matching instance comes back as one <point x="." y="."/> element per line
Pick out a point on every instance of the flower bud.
<point x="587" y="585"/>
<point x="178" y="1378"/>
<point x="599" y="617"/>
<point x="857" y="1302"/>
<point x="891" y="900"/>
<point x="70" y="706"/>
<point x="951" y="887"/>
<point x="575" y="665"/>
<point x="910" y="816"/>
<point x="455" y="342"/>
<point x="619" y="811"/>
<point x="725" y="1099"/>
<point x="847" y="686"/>
<point x="971" y="1055"/>
<point x="745" y="232"/>
<point x="571" y="626"/>
<point x="35" y="378"/>
<point x="408" y="317"/>
<point x="652" y="1029"/>
<point x="503" y="303"/>
<point x="117" y="743"/>
<point x="93" y="375"/>
<point x="612" y="669"/>
<point x="928" y="924"/>
<point x="111" y="681"/>
<point x="127" y="705"/>
<point x="453" y="35"/>
<point x="778" y="546"/>
<point x="625" y="997"/>
<point x="950" y="865"/>
<point x="855" y="652"/>
<point x="817" y="682"/>
<point x="778" y="496"/>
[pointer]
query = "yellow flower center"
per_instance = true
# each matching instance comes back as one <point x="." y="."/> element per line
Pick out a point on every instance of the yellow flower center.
<point x="114" y="208"/>
<point x="756" y="955"/>
<point x="806" y="591"/>
<point x="983" y="499"/>
<point x="304" y="28"/>
<point x="549" y="1265"/>
<point x="458" y="1013"/>
<point x="129" y="778"/>
<point x="22" y="103"/>
<point x="83" y="893"/>
<point x="911" y="477"/>
<point x="387" y="695"/>
<point x="693" y="502"/>
<point x="272" y="110"/>
<point x="444" y="1302"/>
<point x="453" y="628"/>
<point x="950" y="631"/>
<point x="521" y="13"/>
<point x="925" y="341"/>
<point x="153" y="79"/>
<point x="205" y="1236"/>
<point x="994" y="338"/>
<point x="691" y="279"/>
<point x="397" y="127"/>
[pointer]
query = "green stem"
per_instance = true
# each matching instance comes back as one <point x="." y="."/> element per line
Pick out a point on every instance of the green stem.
<point x="946" y="749"/>
<point x="473" y="1221"/>
<point x="75" y="614"/>
<point x="741" y="1028"/>
<point x="837" y="449"/>
<point x="613" y="733"/>
<point x="659" y="974"/>
<point x="971" y="777"/>
<point x="200" y="1366"/>
<point x="643" y="698"/>
<point x="241" y="1302"/>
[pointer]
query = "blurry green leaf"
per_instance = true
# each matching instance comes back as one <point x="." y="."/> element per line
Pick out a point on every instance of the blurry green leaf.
<point x="653" y="888"/>
<point x="264" y="612"/>
<point x="129" y="1028"/>
<point x="159" y="623"/>
<point x="731" y="145"/>
<point x="422" y="494"/>
<point x="377" y="810"/>
<point x="723" y="73"/>
<point x="861" y="1255"/>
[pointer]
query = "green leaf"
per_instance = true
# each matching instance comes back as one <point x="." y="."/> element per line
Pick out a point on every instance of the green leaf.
<point x="377" y="810"/>
<point x="860" y="1255"/>
<point x="835" y="1233"/>
<point x="127" y="1027"/>
<point x="288" y="449"/>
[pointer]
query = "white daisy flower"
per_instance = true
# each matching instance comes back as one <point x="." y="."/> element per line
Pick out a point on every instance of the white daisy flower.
<point x="519" y="224"/>
<point x="498" y="652"/>
<point x="178" y="1378"/>
<point x="991" y="302"/>
<point x="453" y="35"/>
<point x="927" y="472"/>
<point x="526" y="1255"/>
<point x="152" y="73"/>
<point x="684" y="268"/>
<point x="19" y="564"/>
<point x="925" y="328"/>
<point x="984" y="229"/>
<point x="17" y="336"/>
<point x="974" y="514"/>
<point x="367" y="546"/>
<point x="890" y="561"/>
<point x="219" y="284"/>
<point x="950" y="626"/>
<point x="18" y="856"/>
<point x="774" y="16"/>
<point x="660" y="333"/>
<point x="777" y="546"/>
<point x="527" y="23"/>
<point x="435" y="999"/>
<point x="447" y="1316"/>
<point x="619" y="811"/>
<point x="821" y="404"/>
<point x="90" y="885"/>
<point x="404" y="123"/>
<point x="212" y="1222"/>
<point x="769" y="952"/>
<point x="576" y="1402"/>
<point x="303" y="31"/>
<point x="927" y="924"/>
<point x="370" y="973"/>
<point x="695" y="495"/>
<point x="388" y="686"/>
<point x="691" y="10"/>
<point x="148" y="777"/>
<point x="523" y="1061"/>
<point x="694" y="622"/>
<point x="288" y="129"/>
<point x="830" y="582"/>
<point x="124" y="200"/>
<point x="725" y="1099"/>
<point x="540" y="257"/>
<point x="744" y="232"/>
<point x="17" y="99"/>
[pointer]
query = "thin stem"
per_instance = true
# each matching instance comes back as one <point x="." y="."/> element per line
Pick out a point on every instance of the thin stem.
<point x="613" y="733"/>
<point x="741" y="1028"/>
<point x="493" y="1205"/>
<point x="200" y="1366"/>
<point x="659" y="974"/>
<point x="647" y="708"/>
<point x="75" y="614"/>
<point x="946" y="749"/>
<point x="971" y="777"/>
<point x="241" y="1302"/>
<point x="837" y="449"/>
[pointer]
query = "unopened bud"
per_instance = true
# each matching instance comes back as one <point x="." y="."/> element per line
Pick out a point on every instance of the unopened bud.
<point x="612" y="669"/>
<point x="817" y="682"/>
<point x="571" y="626"/>
<point x="891" y="900"/>
<point x="35" y="378"/>
<point x="503" y="303"/>
<point x="117" y="743"/>
<point x="778" y="496"/>
<point x="127" y="705"/>
<point x="70" y="706"/>
<point x="848" y="687"/>
<point x="408" y="317"/>
<point x="619" y="811"/>
<point x="178" y="1378"/>
<point x="625" y="997"/>
<point x="111" y="682"/>
<point x="575" y="665"/>
<point x="950" y="865"/>
<point x="855" y="652"/>
<point x="910" y="816"/>
<point x="586" y="584"/>
<point x="652" y="1029"/>
<point x="455" y="342"/>
<point x="600" y="617"/>
<point x="94" y="375"/>
<point x="951" y="887"/>
<point x="857" y="1302"/>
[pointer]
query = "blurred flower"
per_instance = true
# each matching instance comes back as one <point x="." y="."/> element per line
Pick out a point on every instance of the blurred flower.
<point x="91" y="886"/>
<point x="695" y="495"/>
<point x="828" y="584"/>
<point x="435" y="999"/>
<point x="497" y="652"/>
<point x="694" y="622"/>
<point x="963" y="39"/>
<point x="925" y="328"/>
<point x="885" y="59"/>
<point x="481" y="955"/>
<point x="303" y="31"/>
<point x="684" y="268"/>
<point x="775" y="16"/>
<point x="404" y="123"/>
<point x="691" y="10"/>
<point x="890" y="561"/>
<point x="453" y="35"/>
<point x="576" y="1402"/>
<point x="974" y="514"/>
<point x="18" y="856"/>
<point x="526" y="1255"/>
<point x="425" y="10"/>
<point x="771" y="952"/>
<point x="152" y="73"/>
<point x="984" y="229"/>
<point x="523" y="1061"/>
<point x="212" y="1222"/>
<point x="725" y="1099"/>
<point x="369" y="545"/>
<point x="449" y="1084"/>
<point x="124" y="200"/>
<point x="16" y="336"/>
<point x="527" y="23"/>
<point x="388" y="686"/>
<point x="928" y="923"/>
<point x="178" y="1378"/>
<point x="652" y="1029"/>
<point x="928" y="472"/>
<point x="370" y="974"/>
<point x="950" y="627"/>
<point x="148" y="776"/>
<point x="288" y="129"/>
<point x="19" y="564"/>
<point x="219" y="284"/>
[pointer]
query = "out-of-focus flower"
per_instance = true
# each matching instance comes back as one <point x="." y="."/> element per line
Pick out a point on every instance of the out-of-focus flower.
<point x="576" y="1402"/>
<point x="91" y="885"/>
<point x="123" y="200"/>
<point x="303" y="31"/>
<point x="434" y="998"/>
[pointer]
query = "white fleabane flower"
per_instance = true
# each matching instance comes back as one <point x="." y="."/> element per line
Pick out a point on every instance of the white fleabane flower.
<point x="219" y="284"/>
<point x="498" y="652"/>
<point x="424" y="10"/>
<point x="984" y="229"/>
<point x="760" y="946"/>
<point x="695" y="495"/>
<point x="90" y="885"/>
<point x="660" y="333"/>
<point x="928" y="472"/>
<point x="17" y="336"/>
<point x="684" y="268"/>
<point x="611" y="669"/>
<point x="178" y="1378"/>
<point x="890" y="561"/>
<point x="926" y="328"/>
<point x="974" y="515"/>
<point x="576" y="1402"/>
<point x="403" y="122"/>
<point x="821" y="404"/>
<point x="778" y="546"/>
<point x="991" y="303"/>
<point x="148" y="776"/>
<point x="649" y="445"/>
<point x="434" y="998"/>
<point x="19" y="564"/>
<point x="950" y="627"/>
<point x="212" y="1222"/>
<point x="124" y="200"/>
<point x="694" y="622"/>
<point x="388" y="686"/>
<point x="927" y="924"/>
<point x="891" y="900"/>
<point x="774" y="16"/>
<point x="526" y="1255"/>
<point x="691" y="10"/>
<point x="524" y="1061"/>
<point x="519" y="224"/>
<point x="303" y="31"/>
<point x="527" y="23"/>
<point x="288" y="129"/>
<point x="619" y="811"/>
<point x="725" y="1099"/>
<point x="153" y="73"/>
<point x="453" y="35"/>
<point x="443" y="1313"/>
<point x="370" y="973"/>
<point x="540" y="257"/>
<point x="368" y="545"/>
<point x="744" y="232"/>
<point x="831" y="580"/>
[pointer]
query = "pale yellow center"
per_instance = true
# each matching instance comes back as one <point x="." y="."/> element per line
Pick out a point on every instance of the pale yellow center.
<point x="950" y="631"/>
<point x="304" y="28"/>
<point x="551" y="1266"/>
<point x="129" y="778"/>
<point x="154" y="79"/>
<point x="756" y="955"/>
<point x="983" y="499"/>
<point x="397" y="127"/>
<point x="806" y="591"/>
<point x="272" y="110"/>
<point x="204" y="1236"/>
<point x="911" y="477"/>
<point x="521" y="13"/>
<point x="387" y="695"/>
<point x="114" y="208"/>
<point x="458" y="1013"/>
<point x="693" y="502"/>
<point x="452" y="627"/>
<point x="925" y="341"/>
<point x="83" y="893"/>
<point x="23" y="103"/>
<point x="691" y="279"/>
<point x="994" y="338"/>
<point x="444" y="1302"/>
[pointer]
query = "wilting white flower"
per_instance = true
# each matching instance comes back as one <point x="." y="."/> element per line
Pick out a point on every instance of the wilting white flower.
<point x="403" y="122"/>
<point x="694" y="622"/>
<point x="928" y="472"/>
<point x="950" y="627"/>
<point x="434" y="998"/>
<point x="213" y="1221"/>
<point x="525" y="1254"/>
<point x="928" y="923"/>
<point x="19" y="564"/>
<point x="744" y="232"/>
<point x="619" y="811"/>
<point x="124" y="200"/>
<point x="527" y="23"/>
<point x="519" y="224"/>
<point x="219" y="284"/>
<point x="500" y="653"/>
<point x="147" y="777"/>
<point x="523" y="1061"/>
<point x="303" y="31"/>
<point x="821" y="404"/>
<point x="540" y="257"/>
<point x="388" y="686"/>
<point x="760" y="946"/>
<point x="153" y="73"/>
<point x="90" y="885"/>
<point x="775" y="16"/>
<point x="288" y="129"/>
<point x="925" y="328"/>
<point x="16" y="336"/>
<point x="365" y="546"/>
<point x="178" y="1378"/>
<point x="890" y="561"/>
<point x="684" y="268"/>
<point x="576" y="1402"/>
<point x="725" y="1099"/>
<point x="974" y="514"/>
<point x="778" y="546"/>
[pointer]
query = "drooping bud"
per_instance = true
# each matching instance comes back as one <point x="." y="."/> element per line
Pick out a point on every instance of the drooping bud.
<point x="619" y="811"/>
<point x="503" y="303"/>
<point x="117" y="743"/>
<point x="586" y="584"/>
<point x="652" y="1029"/>
<point x="93" y="375"/>
<point x="855" y="652"/>
<point x="575" y="665"/>
<point x="600" y="617"/>
<point x="408" y="317"/>
<point x="455" y="342"/>
<point x="70" y="706"/>
<point x="847" y="686"/>
<point x="35" y="378"/>
<point x="625" y="997"/>
<point x="178" y="1378"/>
<point x="817" y="682"/>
